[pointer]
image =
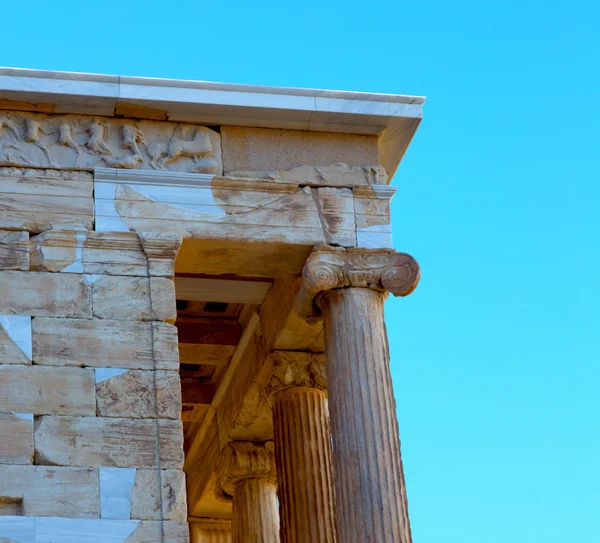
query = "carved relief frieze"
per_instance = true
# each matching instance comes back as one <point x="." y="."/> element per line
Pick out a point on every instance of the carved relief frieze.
<point x="78" y="142"/>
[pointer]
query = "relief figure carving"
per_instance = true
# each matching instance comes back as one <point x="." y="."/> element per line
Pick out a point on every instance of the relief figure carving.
<point x="5" y="125"/>
<point x="81" y="142"/>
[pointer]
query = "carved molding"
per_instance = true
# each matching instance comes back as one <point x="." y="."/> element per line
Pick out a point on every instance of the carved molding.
<point x="296" y="369"/>
<point x="78" y="142"/>
<point x="245" y="460"/>
<point x="161" y="249"/>
<point x="331" y="268"/>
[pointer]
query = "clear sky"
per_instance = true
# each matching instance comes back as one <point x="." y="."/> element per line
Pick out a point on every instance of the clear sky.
<point x="495" y="357"/>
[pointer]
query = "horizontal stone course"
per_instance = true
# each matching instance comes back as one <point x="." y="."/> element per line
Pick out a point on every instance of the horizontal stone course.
<point x="44" y="294"/>
<point x="51" y="491"/>
<point x="18" y="529"/>
<point x="110" y="442"/>
<point x="42" y="390"/>
<point x="37" y="199"/>
<point x="105" y="343"/>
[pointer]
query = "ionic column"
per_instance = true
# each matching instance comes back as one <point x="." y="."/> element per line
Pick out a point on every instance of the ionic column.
<point x="247" y="472"/>
<point x="348" y="287"/>
<point x="302" y="448"/>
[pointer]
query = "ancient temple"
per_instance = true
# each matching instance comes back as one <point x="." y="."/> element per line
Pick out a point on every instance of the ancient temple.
<point x="192" y="338"/>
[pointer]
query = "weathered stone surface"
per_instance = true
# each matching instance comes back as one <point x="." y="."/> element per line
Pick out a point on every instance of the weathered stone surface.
<point x="52" y="491"/>
<point x="264" y="149"/>
<point x="14" y="250"/>
<point x="122" y="298"/>
<point x="161" y="249"/>
<point x="73" y="530"/>
<point x="163" y="299"/>
<point x="43" y="390"/>
<point x="168" y="394"/>
<point x="372" y="215"/>
<point x="368" y="473"/>
<point x="291" y="217"/>
<point x="34" y="200"/>
<point x="15" y="339"/>
<point x="84" y="143"/>
<point x="149" y="531"/>
<point x="55" y="250"/>
<point x="304" y="469"/>
<point x="175" y="531"/>
<point x="81" y="251"/>
<point x="335" y="268"/>
<point x="44" y="294"/>
<point x="333" y="175"/>
<point x="246" y="471"/>
<point x="134" y="298"/>
<point x="111" y="442"/>
<point x="336" y="207"/>
<point x="16" y="441"/>
<point x="104" y="343"/>
<point x="159" y="495"/>
<point x="140" y="394"/>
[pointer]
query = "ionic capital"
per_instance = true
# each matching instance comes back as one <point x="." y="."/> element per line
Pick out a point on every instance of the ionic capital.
<point x="296" y="369"/>
<point x="245" y="460"/>
<point x="331" y="268"/>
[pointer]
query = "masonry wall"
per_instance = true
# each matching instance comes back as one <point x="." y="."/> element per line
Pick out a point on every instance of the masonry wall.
<point x="90" y="437"/>
<point x="92" y="213"/>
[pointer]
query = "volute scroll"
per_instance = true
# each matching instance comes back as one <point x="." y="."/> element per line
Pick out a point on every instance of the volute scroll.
<point x="329" y="268"/>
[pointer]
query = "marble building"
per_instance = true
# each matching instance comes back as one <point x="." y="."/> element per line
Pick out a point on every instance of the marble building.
<point x="192" y="340"/>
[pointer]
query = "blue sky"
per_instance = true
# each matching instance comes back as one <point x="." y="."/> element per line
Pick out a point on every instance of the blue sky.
<point x="495" y="357"/>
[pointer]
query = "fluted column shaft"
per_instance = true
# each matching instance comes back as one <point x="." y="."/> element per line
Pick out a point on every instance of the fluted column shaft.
<point x="304" y="470"/>
<point x="369" y="481"/>
<point x="255" y="518"/>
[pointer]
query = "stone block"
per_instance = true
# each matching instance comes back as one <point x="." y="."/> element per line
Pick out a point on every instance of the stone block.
<point x="163" y="299"/>
<point x="14" y="250"/>
<point x="122" y="298"/>
<point x="16" y="441"/>
<point x="52" y="491"/>
<point x="134" y="298"/>
<point x="336" y="207"/>
<point x="159" y="495"/>
<point x="111" y="442"/>
<point x="44" y="294"/>
<point x="72" y="530"/>
<point x="260" y="149"/>
<point x="168" y="394"/>
<point x="105" y="343"/>
<point x="139" y="394"/>
<point x="149" y="531"/>
<point x="35" y="200"/>
<point x="47" y="391"/>
<point x="81" y="251"/>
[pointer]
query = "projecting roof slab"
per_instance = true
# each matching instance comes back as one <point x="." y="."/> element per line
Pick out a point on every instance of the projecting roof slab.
<point x="394" y="118"/>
